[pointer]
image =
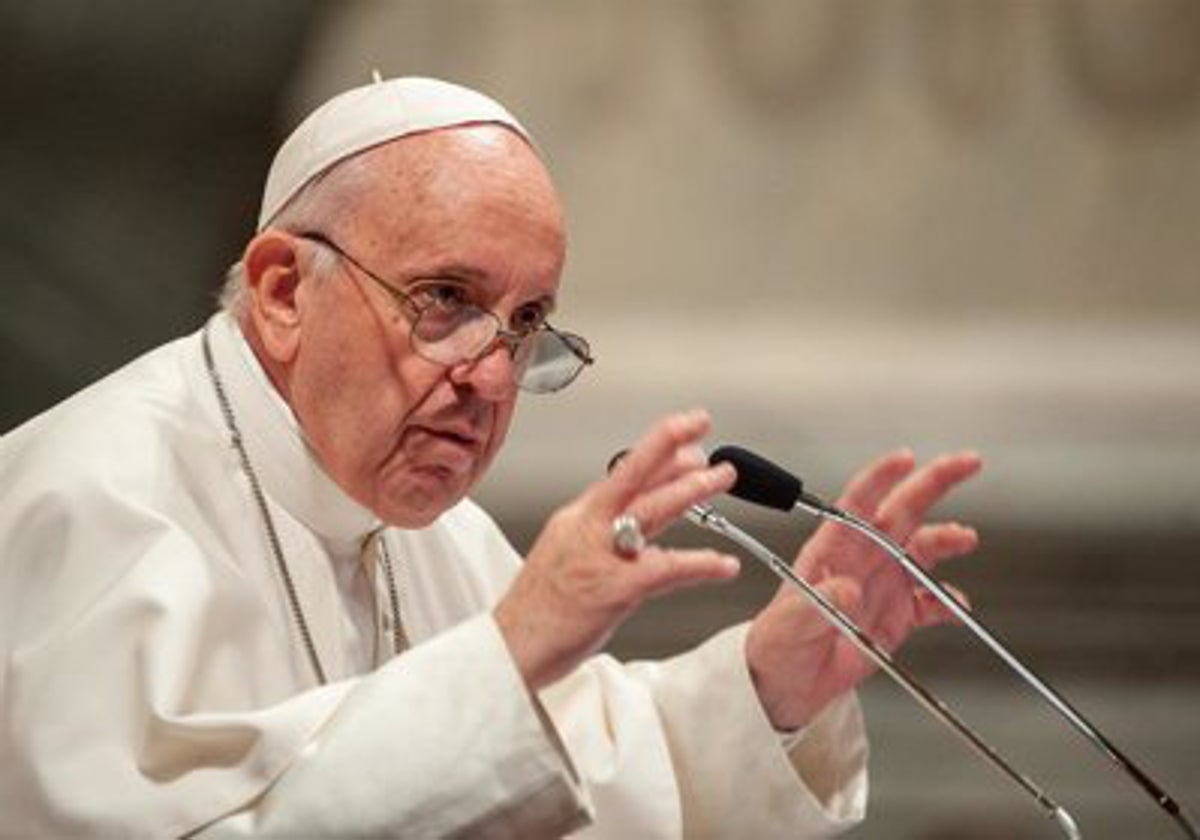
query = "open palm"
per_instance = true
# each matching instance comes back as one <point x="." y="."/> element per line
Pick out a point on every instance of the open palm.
<point x="799" y="662"/>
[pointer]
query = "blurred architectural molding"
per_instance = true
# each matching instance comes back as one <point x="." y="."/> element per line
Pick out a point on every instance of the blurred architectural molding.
<point x="1081" y="426"/>
<point x="1132" y="61"/>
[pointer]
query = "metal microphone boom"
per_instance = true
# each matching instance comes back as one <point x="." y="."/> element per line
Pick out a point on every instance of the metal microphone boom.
<point x="706" y="517"/>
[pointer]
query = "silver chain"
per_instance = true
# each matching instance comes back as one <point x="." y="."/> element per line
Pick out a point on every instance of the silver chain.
<point x="399" y="639"/>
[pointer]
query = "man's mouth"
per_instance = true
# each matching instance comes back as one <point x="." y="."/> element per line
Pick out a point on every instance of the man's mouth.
<point x="460" y="438"/>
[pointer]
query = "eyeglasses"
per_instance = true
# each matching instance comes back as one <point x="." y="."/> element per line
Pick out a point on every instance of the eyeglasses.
<point x="448" y="330"/>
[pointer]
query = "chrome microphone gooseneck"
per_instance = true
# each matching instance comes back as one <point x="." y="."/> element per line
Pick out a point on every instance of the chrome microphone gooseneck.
<point x="707" y="518"/>
<point x="770" y="485"/>
<point x="981" y="632"/>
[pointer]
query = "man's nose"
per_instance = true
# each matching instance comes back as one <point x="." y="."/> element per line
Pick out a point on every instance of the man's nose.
<point x="493" y="373"/>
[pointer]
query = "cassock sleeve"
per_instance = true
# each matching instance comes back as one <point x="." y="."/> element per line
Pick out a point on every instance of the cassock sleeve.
<point x="735" y="777"/>
<point x="667" y="750"/>
<point x="683" y="748"/>
<point x="441" y="742"/>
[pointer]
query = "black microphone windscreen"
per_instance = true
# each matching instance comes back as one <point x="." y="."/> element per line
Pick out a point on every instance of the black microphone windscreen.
<point x="758" y="480"/>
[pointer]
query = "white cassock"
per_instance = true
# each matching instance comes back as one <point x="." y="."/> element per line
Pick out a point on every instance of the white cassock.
<point x="154" y="683"/>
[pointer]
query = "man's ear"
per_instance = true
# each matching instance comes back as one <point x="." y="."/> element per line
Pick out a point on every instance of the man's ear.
<point x="273" y="279"/>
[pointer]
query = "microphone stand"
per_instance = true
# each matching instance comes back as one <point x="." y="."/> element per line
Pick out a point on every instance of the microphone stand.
<point x="820" y="509"/>
<point x="705" y="517"/>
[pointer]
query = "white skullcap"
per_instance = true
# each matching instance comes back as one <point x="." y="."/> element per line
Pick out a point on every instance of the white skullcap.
<point x="366" y="116"/>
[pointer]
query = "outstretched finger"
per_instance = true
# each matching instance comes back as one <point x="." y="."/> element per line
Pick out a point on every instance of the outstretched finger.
<point x="660" y="507"/>
<point x="871" y="485"/>
<point x="650" y="458"/>
<point x="907" y="504"/>
<point x="686" y="459"/>
<point x="664" y="570"/>
<point x="931" y="544"/>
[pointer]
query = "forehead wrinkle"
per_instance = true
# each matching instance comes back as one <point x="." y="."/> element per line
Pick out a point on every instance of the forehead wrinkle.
<point x="503" y="167"/>
<point x="419" y="185"/>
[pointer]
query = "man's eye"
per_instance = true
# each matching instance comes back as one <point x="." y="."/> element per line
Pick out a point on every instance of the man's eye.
<point x="444" y="295"/>
<point x="528" y="318"/>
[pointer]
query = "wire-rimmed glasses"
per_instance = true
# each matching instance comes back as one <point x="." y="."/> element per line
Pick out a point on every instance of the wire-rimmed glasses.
<point x="451" y="332"/>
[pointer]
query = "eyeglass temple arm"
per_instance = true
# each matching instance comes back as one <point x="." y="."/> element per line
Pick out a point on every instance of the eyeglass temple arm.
<point x="705" y="517"/>
<point x="815" y="506"/>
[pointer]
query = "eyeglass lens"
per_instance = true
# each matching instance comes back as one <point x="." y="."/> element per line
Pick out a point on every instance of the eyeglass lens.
<point x="554" y="360"/>
<point x="545" y="360"/>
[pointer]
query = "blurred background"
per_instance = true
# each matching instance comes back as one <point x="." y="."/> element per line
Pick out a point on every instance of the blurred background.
<point x="841" y="225"/>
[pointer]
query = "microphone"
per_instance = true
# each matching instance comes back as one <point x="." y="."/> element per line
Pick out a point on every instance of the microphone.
<point x="758" y="480"/>
<point x="762" y="482"/>
<point x="765" y="483"/>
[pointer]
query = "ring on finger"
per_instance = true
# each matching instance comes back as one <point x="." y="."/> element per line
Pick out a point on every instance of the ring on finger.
<point x="627" y="537"/>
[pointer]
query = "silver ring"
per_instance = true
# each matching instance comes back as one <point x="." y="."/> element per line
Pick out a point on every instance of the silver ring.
<point x="627" y="537"/>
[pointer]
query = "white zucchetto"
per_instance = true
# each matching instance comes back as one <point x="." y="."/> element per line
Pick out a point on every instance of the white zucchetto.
<point x="367" y="116"/>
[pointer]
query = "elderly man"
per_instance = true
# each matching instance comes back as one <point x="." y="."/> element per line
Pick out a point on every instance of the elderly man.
<point x="242" y="590"/>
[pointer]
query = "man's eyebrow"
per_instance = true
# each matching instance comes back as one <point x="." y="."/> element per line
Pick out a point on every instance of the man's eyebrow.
<point x="452" y="271"/>
<point x="548" y="301"/>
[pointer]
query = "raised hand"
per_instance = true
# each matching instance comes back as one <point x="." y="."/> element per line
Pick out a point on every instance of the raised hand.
<point x="798" y="661"/>
<point x="575" y="588"/>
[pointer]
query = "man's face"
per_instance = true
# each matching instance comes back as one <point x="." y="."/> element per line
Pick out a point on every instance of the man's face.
<point x="465" y="212"/>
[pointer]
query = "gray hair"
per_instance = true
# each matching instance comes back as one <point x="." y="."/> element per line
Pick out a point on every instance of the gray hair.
<point x="330" y="195"/>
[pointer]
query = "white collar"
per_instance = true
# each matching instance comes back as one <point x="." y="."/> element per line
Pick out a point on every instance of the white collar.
<point x="288" y="469"/>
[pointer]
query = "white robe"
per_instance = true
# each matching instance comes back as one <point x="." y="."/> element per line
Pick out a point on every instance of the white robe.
<point x="154" y="684"/>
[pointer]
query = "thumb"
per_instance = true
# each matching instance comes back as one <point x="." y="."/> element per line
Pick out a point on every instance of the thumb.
<point x="843" y="593"/>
